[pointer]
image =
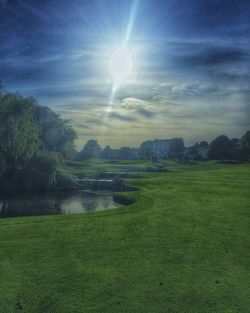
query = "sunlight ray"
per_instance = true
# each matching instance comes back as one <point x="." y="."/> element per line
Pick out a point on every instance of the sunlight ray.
<point x="124" y="43"/>
<point x="131" y="21"/>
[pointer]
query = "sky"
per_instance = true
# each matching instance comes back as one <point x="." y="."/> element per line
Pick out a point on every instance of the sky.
<point x="190" y="76"/>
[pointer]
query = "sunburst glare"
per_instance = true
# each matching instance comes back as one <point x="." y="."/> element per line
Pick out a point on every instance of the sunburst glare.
<point x="120" y="65"/>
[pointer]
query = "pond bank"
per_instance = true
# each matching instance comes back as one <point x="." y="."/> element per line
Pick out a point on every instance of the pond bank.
<point x="54" y="203"/>
<point x="123" y="200"/>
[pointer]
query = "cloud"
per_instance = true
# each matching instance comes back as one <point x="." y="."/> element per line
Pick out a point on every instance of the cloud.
<point x="197" y="91"/>
<point x="82" y="126"/>
<point x="121" y="117"/>
<point x="233" y="74"/>
<point x="218" y="59"/>
<point x="146" y="113"/>
<point x="171" y="90"/>
<point x="133" y="103"/>
<point x="140" y="107"/>
<point x="208" y="56"/>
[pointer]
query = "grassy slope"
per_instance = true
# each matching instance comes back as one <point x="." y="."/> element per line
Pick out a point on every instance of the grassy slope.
<point x="184" y="247"/>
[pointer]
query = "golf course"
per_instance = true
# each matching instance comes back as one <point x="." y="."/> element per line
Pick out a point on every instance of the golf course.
<point x="183" y="246"/>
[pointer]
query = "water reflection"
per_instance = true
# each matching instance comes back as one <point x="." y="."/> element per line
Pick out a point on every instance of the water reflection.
<point x="55" y="203"/>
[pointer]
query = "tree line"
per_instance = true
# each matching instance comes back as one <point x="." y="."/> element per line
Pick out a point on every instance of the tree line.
<point x="221" y="148"/>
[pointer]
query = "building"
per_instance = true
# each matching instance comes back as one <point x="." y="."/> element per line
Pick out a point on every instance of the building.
<point x="155" y="148"/>
<point x="161" y="148"/>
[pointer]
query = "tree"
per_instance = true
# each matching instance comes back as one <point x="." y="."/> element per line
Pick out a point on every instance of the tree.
<point x="2" y="164"/>
<point x="90" y="150"/>
<point x="220" y="148"/>
<point x="146" y="150"/>
<point x="19" y="133"/>
<point x="176" y="147"/>
<point x="40" y="172"/>
<point x="125" y="153"/>
<point x="245" y="143"/>
<point x="57" y="134"/>
<point x="32" y="140"/>
<point x="107" y="153"/>
<point x="192" y="151"/>
<point x="237" y="152"/>
<point x="204" y="144"/>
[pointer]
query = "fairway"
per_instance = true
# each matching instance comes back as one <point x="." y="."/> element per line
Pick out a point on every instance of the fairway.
<point x="182" y="247"/>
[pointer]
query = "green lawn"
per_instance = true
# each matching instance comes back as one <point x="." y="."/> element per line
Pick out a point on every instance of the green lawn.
<point x="183" y="247"/>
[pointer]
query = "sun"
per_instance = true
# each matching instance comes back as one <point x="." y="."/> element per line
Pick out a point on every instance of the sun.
<point x="120" y="65"/>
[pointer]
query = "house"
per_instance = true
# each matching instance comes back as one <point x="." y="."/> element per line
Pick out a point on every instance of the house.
<point x="161" y="148"/>
<point x="155" y="148"/>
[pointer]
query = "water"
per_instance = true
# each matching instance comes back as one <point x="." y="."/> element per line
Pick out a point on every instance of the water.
<point x="69" y="202"/>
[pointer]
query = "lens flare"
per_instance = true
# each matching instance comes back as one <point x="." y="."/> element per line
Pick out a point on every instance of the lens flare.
<point x="120" y="65"/>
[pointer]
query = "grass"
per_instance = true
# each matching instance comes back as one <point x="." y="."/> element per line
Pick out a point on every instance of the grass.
<point x="92" y="167"/>
<point x="183" y="247"/>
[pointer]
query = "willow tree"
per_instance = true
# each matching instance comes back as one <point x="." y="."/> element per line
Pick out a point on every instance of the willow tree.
<point x="19" y="132"/>
<point x="32" y="141"/>
<point x="57" y="135"/>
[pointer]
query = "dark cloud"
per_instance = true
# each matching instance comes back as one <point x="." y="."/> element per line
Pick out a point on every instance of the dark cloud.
<point x="82" y="126"/>
<point x="121" y="117"/>
<point x="233" y="75"/>
<point x="219" y="60"/>
<point x="190" y="90"/>
<point x="145" y="113"/>
<point x="213" y="57"/>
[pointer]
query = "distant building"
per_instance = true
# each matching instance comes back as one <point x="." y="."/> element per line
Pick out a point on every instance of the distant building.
<point x="161" y="148"/>
<point x="155" y="148"/>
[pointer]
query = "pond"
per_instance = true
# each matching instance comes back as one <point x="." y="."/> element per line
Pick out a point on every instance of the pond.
<point x="69" y="202"/>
